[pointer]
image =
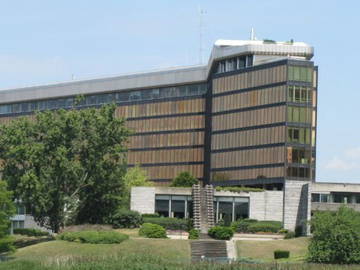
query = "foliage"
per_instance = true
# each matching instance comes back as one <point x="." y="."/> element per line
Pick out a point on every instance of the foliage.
<point x="94" y="237"/>
<point x="194" y="234"/>
<point x="281" y="254"/>
<point x="30" y="232"/>
<point x="284" y="231"/>
<point x="124" y="218"/>
<point x="7" y="244"/>
<point x="265" y="226"/>
<point x="152" y="231"/>
<point x="184" y="179"/>
<point x="221" y="233"/>
<point x="242" y="225"/>
<point x="289" y="235"/>
<point x="7" y="209"/>
<point x="135" y="177"/>
<point x="239" y="189"/>
<point x="169" y="223"/>
<point x="336" y="237"/>
<point x="66" y="163"/>
<point x="156" y="215"/>
<point x="87" y="227"/>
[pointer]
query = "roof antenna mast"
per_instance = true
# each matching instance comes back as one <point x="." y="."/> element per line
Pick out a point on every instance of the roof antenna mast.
<point x="252" y="34"/>
<point x="201" y="13"/>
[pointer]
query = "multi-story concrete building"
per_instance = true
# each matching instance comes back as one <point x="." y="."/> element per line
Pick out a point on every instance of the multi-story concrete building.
<point x="247" y="117"/>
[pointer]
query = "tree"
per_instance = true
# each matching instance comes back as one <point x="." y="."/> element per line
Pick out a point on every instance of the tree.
<point x="135" y="177"/>
<point x="184" y="179"/>
<point x="66" y="163"/>
<point x="7" y="209"/>
<point x="336" y="237"/>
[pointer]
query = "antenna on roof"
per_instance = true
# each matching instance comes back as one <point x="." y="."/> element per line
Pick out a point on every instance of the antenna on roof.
<point x="201" y="13"/>
<point x="252" y="34"/>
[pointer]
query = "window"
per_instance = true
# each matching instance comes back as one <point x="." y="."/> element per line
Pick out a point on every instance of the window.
<point x="298" y="155"/>
<point x="299" y="135"/>
<point x="162" y="205"/>
<point x="178" y="206"/>
<point x="230" y="209"/>
<point x="302" y="74"/>
<point x="241" y="208"/>
<point x="298" y="172"/>
<point x="299" y="114"/>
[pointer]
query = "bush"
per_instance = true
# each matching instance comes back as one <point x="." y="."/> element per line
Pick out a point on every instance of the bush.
<point x="221" y="233"/>
<point x="242" y="225"/>
<point x="124" y="218"/>
<point x="184" y="179"/>
<point x="150" y="215"/>
<point x="281" y="254"/>
<point x="194" y="234"/>
<point x="284" y="231"/>
<point x="152" y="231"/>
<point x="30" y="232"/>
<point x="289" y="235"/>
<point x="265" y="226"/>
<point x="336" y="237"/>
<point x="94" y="237"/>
<point x="239" y="189"/>
<point x="7" y="244"/>
<point x="169" y="223"/>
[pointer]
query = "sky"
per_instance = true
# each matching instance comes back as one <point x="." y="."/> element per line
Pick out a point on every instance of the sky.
<point x="53" y="41"/>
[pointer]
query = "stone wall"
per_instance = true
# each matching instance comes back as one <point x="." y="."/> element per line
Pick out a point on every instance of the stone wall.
<point x="143" y="200"/>
<point x="297" y="205"/>
<point x="267" y="205"/>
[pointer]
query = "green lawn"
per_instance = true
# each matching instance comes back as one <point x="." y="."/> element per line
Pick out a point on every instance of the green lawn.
<point x="264" y="250"/>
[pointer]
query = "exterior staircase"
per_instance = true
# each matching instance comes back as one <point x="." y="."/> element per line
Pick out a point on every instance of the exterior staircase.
<point x="206" y="248"/>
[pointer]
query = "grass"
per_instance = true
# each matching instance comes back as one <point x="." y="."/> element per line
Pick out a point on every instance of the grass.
<point x="264" y="250"/>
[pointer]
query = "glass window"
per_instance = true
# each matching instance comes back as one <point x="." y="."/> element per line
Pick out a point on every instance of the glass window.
<point x="162" y="205"/>
<point x="315" y="197"/>
<point x="178" y="206"/>
<point x="241" y="208"/>
<point x="225" y="211"/>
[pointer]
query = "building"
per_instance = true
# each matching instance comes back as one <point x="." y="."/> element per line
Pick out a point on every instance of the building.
<point x="247" y="117"/>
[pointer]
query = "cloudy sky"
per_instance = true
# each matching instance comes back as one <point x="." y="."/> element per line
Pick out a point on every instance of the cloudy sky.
<point x="52" y="41"/>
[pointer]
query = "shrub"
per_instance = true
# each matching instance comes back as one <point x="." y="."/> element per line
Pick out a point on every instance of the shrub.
<point x="289" y="235"/>
<point x="7" y="244"/>
<point x="221" y="233"/>
<point x="336" y="237"/>
<point x="242" y="225"/>
<point x="169" y="223"/>
<point x="152" y="231"/>
<point x="265" y="226"/>
<point x="194" y="234"/>
<point x="281" y="254"/>
<point x="239" y="189"/>
<point x="150" y="215"/>
<point x="124" y="218"/>
<point x="94" y="237"/>
<point x="284" y="231"/>
<point x="184" y="179"/>
<point x="30" y="232"/>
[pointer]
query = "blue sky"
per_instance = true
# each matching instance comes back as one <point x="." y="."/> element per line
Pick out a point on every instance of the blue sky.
<point x="51" y="41"/>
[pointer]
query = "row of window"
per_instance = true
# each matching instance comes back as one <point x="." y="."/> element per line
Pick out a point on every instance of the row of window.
<point x="298" y="172"/>
<point x="301" y="74"/>
<point x="250" y="79"/>
<point x="335" y="198"/>
<point x="248" y="99"/>
<point x="299" y="135"/>
<point x="248" y="137"/>
<point x="249" y="118"/>
<point x="98" y="99"/>
<point x="166" y="156"/>
<point x="166" y="140"/>
<point x="170" y="172"/>
<point x="174" y="206"/>
<point x="248" y="174"/>
<point x="248" y="157"/>
<point x="162" y="108"/>
<point x="234" y="63"/>
<point x="299" y="94"/>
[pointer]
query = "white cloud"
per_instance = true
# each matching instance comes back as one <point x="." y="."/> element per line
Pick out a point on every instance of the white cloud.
<point x="348" y="160"/>
<point x="353" y="153"/>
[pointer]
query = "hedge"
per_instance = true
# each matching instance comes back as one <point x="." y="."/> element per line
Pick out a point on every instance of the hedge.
<point x="169" y="223"/>
<point x="281" y="254"/>
<point x="124" y="218"/>
<point x="30" y="232"/>
<point x="152" y="231"/>
<point x="242" y="225"/>
<point x="221" y="233"/>
<point x="94" y="237"/>
<point x="265" y="226"/>
<point x="194" y="234"/>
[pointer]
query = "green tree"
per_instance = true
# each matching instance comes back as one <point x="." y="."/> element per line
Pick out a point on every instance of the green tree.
<point x="135" y="177"/>
<point x="66" y="163"/>
<point x="184" y="179"/>
<point x="7" y="209"/>
<point x="336" y="237"/>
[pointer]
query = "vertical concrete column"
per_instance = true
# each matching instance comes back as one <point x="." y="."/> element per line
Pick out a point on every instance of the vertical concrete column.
<point x="297" y="205"/>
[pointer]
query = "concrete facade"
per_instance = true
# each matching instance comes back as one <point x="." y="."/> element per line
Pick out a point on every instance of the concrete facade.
<point x="267" y="205"/>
